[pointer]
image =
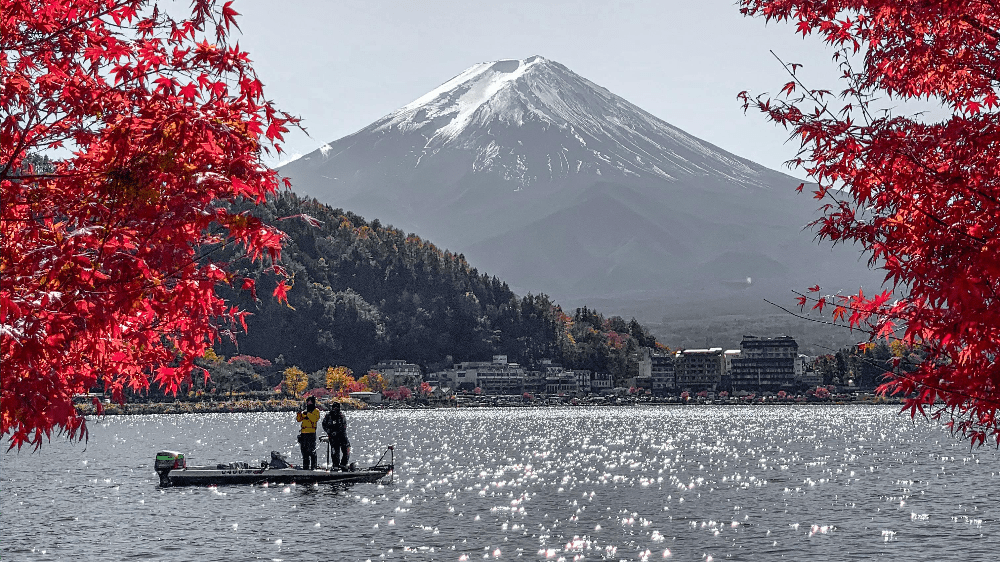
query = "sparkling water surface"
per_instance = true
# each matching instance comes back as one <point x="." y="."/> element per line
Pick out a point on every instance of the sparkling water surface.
<point x="630" y="483"/>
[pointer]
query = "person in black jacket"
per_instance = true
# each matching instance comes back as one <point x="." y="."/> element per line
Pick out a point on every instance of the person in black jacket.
<point x="335" y="426"/>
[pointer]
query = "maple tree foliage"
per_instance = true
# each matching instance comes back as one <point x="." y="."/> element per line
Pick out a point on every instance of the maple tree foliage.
<point x="921" y="195"/>
<point x="373" y="381"/>
<point x="295" y="382"/>
<point x="106" y="262"/>
<point x="425" y="388"/>
<point x="340" y="380"/>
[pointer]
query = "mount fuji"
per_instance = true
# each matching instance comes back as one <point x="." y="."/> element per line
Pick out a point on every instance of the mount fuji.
<point x="556" y="185"/>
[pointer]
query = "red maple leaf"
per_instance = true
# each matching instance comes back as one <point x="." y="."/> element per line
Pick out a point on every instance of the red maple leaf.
<point x="923" y="198"/>
<point x="104" y="283"/>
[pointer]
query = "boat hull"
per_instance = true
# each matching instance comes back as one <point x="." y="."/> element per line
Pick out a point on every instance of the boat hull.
<point x="198" y="476"/>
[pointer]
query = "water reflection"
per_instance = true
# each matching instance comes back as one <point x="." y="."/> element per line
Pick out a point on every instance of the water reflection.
<point x="694" y="483"/>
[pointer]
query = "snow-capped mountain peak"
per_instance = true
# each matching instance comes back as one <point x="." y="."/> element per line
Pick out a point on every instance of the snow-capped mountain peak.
<point x="535" y="120"/>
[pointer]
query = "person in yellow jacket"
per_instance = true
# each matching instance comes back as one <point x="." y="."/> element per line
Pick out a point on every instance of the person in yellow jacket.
<point x="307" y="435"/>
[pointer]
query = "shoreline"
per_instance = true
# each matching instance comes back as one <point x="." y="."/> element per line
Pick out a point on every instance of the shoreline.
<point x="290" y="405"/>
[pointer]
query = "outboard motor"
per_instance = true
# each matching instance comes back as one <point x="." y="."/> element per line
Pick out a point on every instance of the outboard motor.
<point x="167" y="461"/>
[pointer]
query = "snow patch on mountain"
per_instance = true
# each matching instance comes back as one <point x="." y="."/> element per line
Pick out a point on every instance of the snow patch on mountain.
<point x="288" y="159"/>
<point x="463" y="95"/>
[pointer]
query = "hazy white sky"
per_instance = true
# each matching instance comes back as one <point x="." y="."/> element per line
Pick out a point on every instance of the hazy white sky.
<point x="342" y="64"/>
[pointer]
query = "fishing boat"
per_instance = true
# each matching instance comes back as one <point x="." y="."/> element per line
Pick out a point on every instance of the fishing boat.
<point x="173" y="470"/>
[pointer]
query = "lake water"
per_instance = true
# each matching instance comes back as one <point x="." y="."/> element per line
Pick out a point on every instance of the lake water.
<point x="633" y="483"/>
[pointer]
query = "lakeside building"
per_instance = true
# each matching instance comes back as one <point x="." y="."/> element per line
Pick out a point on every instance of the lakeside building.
<point x="534" y="382"/>
<point x="644" y="370"/>
<point x="552" y="378"/>
<point x="662" y="373"/>
<point x="465" y="375"/>
<point x="439" y="392"/>
<point x="548" y="368"/>
<point x="766" y="364"/>
<point x="698" y="369"/>
<point x="564" y="383"/>
<point x="367" y="397"/>
<point x="727" y="368"/>
<point x="644" y="364"/>
<point x="462" y="376"/>
<point x="810" y="377"/>
<point x="762" y="364"/>
<point x="575" y="382"/>
<point x="601" y="383"/>
<point x="491" y="377"/>
<point x="397" y="372"/>
<point x="727" y="358"/>
<point x="500" y="377"/>
<point x="645" y="383"/>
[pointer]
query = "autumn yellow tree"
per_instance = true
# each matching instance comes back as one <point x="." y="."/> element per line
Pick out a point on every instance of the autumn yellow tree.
<point x="374" y="382"/>
<point x="295" y="382"/>
<point x="339" y="379"/>
<point x="212" y="356"/>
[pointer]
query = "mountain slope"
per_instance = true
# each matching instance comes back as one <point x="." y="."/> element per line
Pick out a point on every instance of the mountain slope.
<point x="560" y="186"/>
<point x="364" y="292"/>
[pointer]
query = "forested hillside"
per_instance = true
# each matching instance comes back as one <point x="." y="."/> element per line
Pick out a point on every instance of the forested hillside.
<point x="363" y="292"/>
